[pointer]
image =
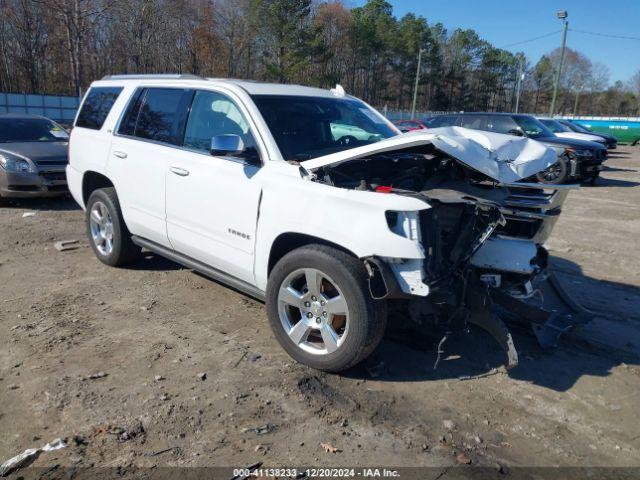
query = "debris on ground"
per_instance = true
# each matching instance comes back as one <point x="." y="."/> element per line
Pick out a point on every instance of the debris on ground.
<point x="160" y="452"/>
<point x="261" y="430"/>
<point x="262" y="447"/>
<point x="329" y="448"/>
<point x="28" y="214"/>
<point x="202" y="376"/>
<point x="448" y="424"/>
<point x="95" y="376"/>
<point x="29" y="456"/>
<point x="64" y="245"/>
<point x="124" y="434"/>
<point x="462" y="458"/>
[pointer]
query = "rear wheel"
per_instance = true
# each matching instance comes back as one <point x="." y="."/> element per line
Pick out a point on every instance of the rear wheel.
<point x="555" y="174"/>
<point x="320" y="308"/>
<point x="108" y="235"/>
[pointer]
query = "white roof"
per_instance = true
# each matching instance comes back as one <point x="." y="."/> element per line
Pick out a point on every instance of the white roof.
<point x="251" y="87"/>
<point x="262" y="88"/>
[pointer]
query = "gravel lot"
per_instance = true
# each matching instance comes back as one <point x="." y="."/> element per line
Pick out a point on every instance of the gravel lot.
<point x="150" y="332"/>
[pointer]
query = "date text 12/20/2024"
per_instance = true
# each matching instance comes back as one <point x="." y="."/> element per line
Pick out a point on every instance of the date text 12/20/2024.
<point x="316" y="472"/>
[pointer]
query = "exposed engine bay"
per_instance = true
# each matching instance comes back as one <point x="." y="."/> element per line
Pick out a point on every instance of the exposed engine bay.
<point x="484" y="258"/>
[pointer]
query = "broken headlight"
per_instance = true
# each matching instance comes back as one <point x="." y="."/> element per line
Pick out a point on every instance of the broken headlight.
<point x="405" y="224"/>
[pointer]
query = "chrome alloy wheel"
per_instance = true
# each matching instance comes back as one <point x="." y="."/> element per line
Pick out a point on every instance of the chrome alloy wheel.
<point x="313" y="311"/>
<point x="101" y="227"/>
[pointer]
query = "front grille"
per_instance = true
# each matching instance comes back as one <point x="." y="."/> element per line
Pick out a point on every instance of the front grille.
<point x="60" y="162"/>
<point x="55" y="176"/>
<point x="24" y="188"/>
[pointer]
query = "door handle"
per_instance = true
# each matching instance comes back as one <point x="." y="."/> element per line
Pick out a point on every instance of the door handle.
<point x="120" y="154"/>
<point x="179" y="171"/>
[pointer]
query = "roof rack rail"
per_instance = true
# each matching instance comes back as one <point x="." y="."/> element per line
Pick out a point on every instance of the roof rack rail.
<point x="154" y="76"/>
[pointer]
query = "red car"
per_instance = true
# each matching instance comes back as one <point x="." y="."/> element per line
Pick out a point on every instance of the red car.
<point x="409" y="125"/>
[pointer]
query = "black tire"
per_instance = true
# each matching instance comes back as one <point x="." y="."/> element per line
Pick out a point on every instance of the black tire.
<point x="124" y="251"/>
<point x="367" y="317"/>
<point x="556" y="174"/>
<point x="594" y="178"/>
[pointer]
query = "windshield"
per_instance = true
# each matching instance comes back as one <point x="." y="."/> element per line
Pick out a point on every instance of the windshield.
<point x="532" y="127"/>
<point x="555" y="126"/>
<point x="309" y="127"/>
<point x="576" y="128"/>
<point x="16" y="129"/>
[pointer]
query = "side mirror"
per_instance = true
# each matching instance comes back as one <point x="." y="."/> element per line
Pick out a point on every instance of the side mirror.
<point x="233" y="145"/>
<point x="226" y="145"/>
<point x="516" y="131"/>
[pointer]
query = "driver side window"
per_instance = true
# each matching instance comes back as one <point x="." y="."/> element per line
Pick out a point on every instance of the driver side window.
<point x="214" y="114"/>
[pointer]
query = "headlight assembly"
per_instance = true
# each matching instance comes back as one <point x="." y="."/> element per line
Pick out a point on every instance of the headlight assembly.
<point x="12" y="163"/>
<point x="580" y="153"/>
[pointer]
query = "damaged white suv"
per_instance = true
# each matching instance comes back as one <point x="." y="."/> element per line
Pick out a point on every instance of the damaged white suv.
<point x="312" y="201"/>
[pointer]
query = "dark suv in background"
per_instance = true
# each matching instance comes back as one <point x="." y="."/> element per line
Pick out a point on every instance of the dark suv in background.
<point x="578" y="160"/>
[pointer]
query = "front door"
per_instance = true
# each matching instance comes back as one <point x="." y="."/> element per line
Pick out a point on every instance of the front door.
<point x="212" y="201"/>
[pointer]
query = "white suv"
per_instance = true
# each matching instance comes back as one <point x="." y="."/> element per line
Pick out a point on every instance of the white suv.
<point x="265" y="188"/>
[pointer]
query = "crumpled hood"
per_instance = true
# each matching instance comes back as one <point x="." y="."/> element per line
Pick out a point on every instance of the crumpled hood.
<point x="504" y="158"/>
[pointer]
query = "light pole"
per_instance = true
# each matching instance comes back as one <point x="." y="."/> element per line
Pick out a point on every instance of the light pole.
<point x="562" y="15"/>
<point x="415" y="87"/>
<point x="520" y="79"/>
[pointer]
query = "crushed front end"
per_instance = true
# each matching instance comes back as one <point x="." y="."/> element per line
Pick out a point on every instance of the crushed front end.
<point x="482" y="236"/>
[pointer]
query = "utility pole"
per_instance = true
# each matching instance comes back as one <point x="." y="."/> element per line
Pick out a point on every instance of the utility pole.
<point x="562" y="15"/>
<point x="520" y="79"/>
<point x="415" y="87"/>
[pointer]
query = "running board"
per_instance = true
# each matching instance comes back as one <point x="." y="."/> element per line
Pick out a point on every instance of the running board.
<point x="200" y="267"/>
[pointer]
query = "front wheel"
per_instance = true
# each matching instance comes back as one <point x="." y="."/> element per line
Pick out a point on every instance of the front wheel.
<point x="320" y="309"/>
<point x="556" y="174"/>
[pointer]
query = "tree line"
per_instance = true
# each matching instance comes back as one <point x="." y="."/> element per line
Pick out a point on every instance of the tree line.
<point x="61" y="46"/>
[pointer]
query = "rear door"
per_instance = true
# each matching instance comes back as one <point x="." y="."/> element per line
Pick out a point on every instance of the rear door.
<point x="212" y="201"/>
<point x="143" y="148"/>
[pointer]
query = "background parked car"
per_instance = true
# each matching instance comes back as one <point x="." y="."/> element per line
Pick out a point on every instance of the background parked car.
<point x="612" y="142"/>
<point x="563" y="131"/>
<point x="410" y="125"/>
<point x="33" y="157"/>
<point x="578" y="160"/>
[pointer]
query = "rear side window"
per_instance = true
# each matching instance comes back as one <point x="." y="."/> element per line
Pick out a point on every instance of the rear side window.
<point x="157" y="114"/>
<point x="96" y="107"/>
<point x="476" y="122"/>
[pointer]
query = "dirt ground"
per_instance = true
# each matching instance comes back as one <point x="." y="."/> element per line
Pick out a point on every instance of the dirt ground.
<point x="149" y="333"/>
